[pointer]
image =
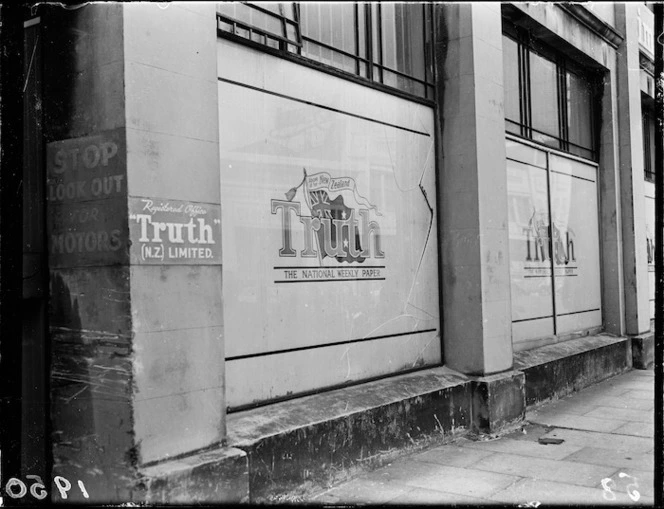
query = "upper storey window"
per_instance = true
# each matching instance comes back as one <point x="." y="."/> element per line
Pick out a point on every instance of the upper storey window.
<point x="548" y="98"/>
<point x="387" y="43"/>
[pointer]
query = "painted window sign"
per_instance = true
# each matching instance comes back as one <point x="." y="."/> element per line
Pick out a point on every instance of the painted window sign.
<point x="338" y="226"/>
<point x="174" y="232"/>
<point x="650" y="241"/>
<point x="330" y="263"/>
<point x="554" y="245"/>
<point x="561" y="250"/>
<point x="86" y="189"/>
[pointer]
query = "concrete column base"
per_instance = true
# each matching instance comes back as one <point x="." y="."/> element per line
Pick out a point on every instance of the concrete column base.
<point x="499" y="401"/>
<point x="216" y="476"/>
<point x="643" y="351"/>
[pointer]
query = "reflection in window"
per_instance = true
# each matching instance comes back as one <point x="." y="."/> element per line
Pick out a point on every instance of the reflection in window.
<point x="579" y="114"/>
<point x="648" y="144"/>
<point x="511" y="84"/>
<point x="326" y="27"/>
<point x="270" y="24"/>
<point x="389" y="43"/>
<point x="548" y="97"/>
<point x="544" y="109"/>
<point x="402" y="29"/>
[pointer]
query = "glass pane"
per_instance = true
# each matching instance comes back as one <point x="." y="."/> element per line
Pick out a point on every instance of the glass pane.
<point x="579" y="111"/>
<point x="327" y="56"/>
<point x="530" y="262"/>
<point x="429" y="45"/>
<point x="511" y="79"/>
<point x="648" y="129"/>
<point x="651" y="138"/>
<point x="330" y="23"/>
<point x="361" y="32"/>
<point x="544" y="99"/>
<point x="650" y="240"/>
<point x="381" y="263"/>
<point x="575" y="244"/>
<point x="269" y="6"/>
<point x="403" y="83"/>
<point x="333" y="25"/>
<point x="402" y="27"/>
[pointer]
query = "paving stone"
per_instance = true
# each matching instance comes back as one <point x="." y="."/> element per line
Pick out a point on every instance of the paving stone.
<point x="638" y="429"/>
<point x="625" y="459"/>
<point x="604" y="390"/>
<point x="451" y="455"/>
<point x="570" y="406"/>
<point x="619" y="402"/>
<point x="574" y="421"/>
<point x="524" y="448"/>
<point x="425" y="496"/>
<point x="621" y="414"/>
<point x="607" y="430"/>
<point x="610" y="441"/>
<point x="362" y="490"/>
<point x="550" y="492"/>
<point x="461" y="481"/>
<point x="547" y="470"/>
<point x="639" y="395"/>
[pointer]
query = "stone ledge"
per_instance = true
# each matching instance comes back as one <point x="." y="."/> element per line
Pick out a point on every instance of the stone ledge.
<point x="311" y="440"/>
<point x="499" y="401"/>
<point x="215" y="476"/>
<point x="553" y="371"/>
<point x="643" y="351"/>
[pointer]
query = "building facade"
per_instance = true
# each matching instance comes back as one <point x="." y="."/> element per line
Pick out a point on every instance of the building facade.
<point x="271" y="238"/>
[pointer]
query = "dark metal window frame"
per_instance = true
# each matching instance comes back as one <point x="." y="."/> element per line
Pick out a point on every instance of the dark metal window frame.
<point x="369" y="67"/>
<point x="647" y="119"/>
<point x="526" y="44"/>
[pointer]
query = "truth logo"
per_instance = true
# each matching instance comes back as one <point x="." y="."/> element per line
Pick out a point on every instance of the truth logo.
<point x="339" y="223"/>
<point x="544" y="242"/>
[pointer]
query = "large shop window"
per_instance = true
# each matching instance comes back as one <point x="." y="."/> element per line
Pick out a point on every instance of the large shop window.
<point x="330" y="257"/>
<point x="554" y="245"/>
<point x="648" y="125"/>
<point x="548" y="98"/>
<point x="386" y="43"/>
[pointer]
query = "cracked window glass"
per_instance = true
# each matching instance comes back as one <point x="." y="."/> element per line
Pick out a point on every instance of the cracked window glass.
<point x="328" y="229"/>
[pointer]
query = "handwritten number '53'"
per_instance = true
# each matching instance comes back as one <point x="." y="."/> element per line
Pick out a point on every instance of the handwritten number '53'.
<point x="609" y="483"/>
<point x="634" y="495"/>
<point x="607" y="489"/>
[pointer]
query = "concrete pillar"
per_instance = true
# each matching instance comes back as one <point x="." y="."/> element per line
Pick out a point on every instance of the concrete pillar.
<point x="473" y="190"/>
<point x="170" y="54"/>
<point x="610" y="213"/>
<point x="137" y="344"/>
<point x="637" y="306"/>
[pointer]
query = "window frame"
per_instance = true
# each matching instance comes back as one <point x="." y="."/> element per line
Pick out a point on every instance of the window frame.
<point x="369" y="68"/>
<point x="527" y="44"/>
<point x="648" y="121"/>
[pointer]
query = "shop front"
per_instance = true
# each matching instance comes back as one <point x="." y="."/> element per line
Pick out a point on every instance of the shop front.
<point x="329" y="215"/>
<point x="554" y="245"/>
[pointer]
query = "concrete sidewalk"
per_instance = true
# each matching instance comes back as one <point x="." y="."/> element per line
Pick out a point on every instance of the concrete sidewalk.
<point x="605" y="457"/>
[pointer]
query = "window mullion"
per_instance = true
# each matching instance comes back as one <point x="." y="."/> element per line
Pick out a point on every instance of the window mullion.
<point x="563" y="121"/>
<point x="368" y="39"/>
<point x="298" y="26"/>
<point x="524" y="86"/>
<point x="356" y="8"/>
<point x="424" y="48"/>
